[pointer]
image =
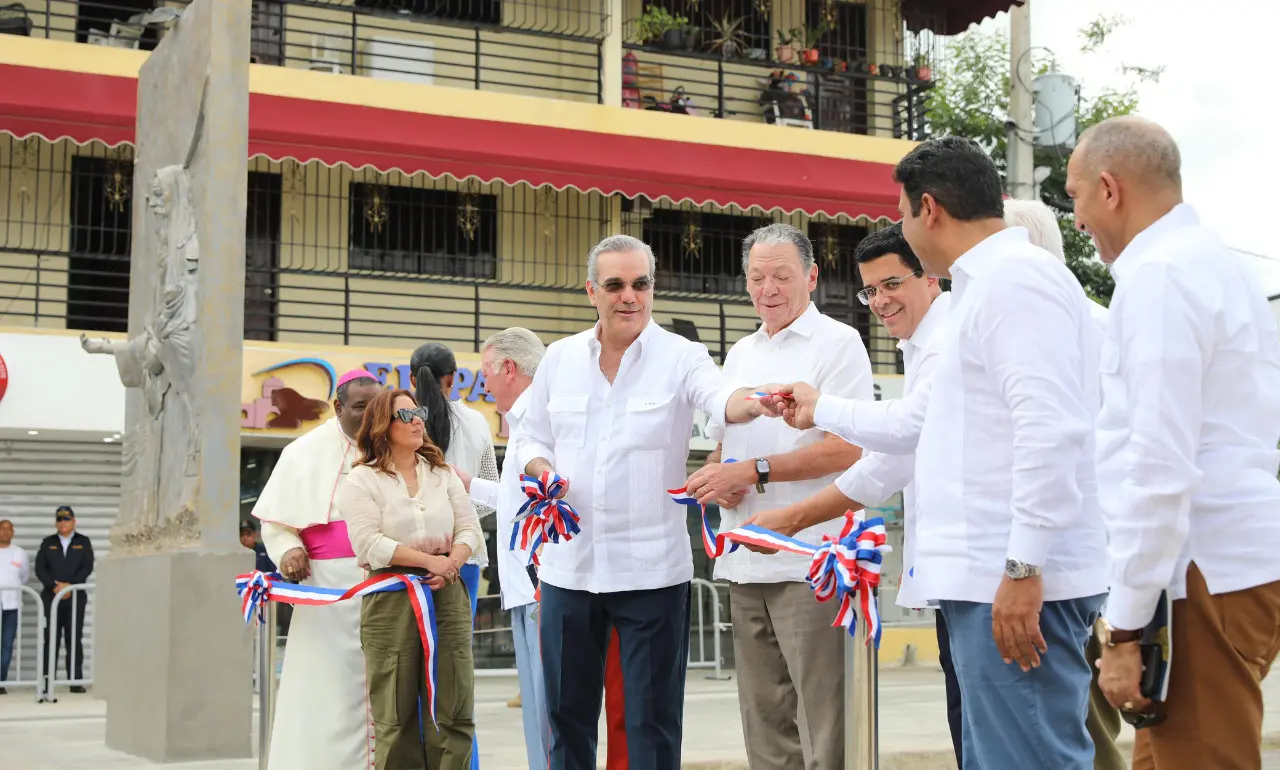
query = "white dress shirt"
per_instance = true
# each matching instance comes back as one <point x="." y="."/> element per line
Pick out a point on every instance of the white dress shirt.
<point x="824" y="353"/>
<point x="1007" y="445"/>
<point x="621" y="446"/>
<point x="889" y="431"/>
<point x="15" y="570"/>
<point x="505" y="496"/>
<point x="471" y="449"/>
<point x="1187" y="455"/>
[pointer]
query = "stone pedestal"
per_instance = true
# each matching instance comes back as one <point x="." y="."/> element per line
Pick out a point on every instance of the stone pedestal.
<point x="181" y="681"/>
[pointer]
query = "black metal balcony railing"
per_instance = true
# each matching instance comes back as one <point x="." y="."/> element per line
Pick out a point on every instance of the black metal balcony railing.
<point x="822" y="64"/>
<point x="337" y="256"/>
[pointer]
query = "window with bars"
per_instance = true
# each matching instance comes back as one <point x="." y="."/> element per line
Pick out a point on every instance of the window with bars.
<point x="706" y="15"/>
<point x="699" y="252"/>
<point x="101" y="232"/>
<point x="842" y="97"/>
<point x="476" y="11"/>
<point x="423" y="232"/>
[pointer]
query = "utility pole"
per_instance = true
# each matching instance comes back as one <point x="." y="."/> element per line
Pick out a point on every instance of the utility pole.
<point x="1021" y="163"/>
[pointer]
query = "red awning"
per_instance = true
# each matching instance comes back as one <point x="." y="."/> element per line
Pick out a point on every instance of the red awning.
<point x="86" y="107"/>
<point x="951" y="17"/>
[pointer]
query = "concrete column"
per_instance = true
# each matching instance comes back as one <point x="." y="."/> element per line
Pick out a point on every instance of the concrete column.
<point x="611" y="55"/>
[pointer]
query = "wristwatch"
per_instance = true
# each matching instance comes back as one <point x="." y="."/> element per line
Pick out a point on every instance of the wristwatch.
<point x="1017" y="570"/>
<point x="762" y="474"/>
<point x="1110" y="637"/>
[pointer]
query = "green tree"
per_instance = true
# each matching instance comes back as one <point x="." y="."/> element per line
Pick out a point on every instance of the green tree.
<point x="971" y="99"/>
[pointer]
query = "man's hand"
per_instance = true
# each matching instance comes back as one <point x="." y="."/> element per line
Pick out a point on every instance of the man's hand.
<point x="538" y="466"/>
<point x="295" y="565"/>
<point x="464" y="476"/>
<point x="715" y="480"/>
<point x="59" y="585"/>
<point x="733" y="500"/>
<point x="796" y="403"/>
<point x="1015" y="621"/>
<point x="1120" y="676"/>
<point x="781" y="520"/>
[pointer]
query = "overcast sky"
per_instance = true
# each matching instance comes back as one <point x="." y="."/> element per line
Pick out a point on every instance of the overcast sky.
<point x="1217" y="96"/>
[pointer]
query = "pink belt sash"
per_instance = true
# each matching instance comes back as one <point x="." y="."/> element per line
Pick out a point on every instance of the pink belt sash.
<point x="328" y="541"/>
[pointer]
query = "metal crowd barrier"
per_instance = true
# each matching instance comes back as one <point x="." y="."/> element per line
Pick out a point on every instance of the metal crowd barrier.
<point x="49" y="642"/>
<point x="16" y="665"/>
<point x="717" y="627"/>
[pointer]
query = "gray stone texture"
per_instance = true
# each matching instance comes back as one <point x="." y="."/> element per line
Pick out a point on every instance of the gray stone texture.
<point x="173" y="657"/>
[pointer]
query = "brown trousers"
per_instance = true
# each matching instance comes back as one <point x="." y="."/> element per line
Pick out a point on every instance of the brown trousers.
<point x="1223" y="647"/>
<point x="396" y="668"/>
<point x="790" y="661"/>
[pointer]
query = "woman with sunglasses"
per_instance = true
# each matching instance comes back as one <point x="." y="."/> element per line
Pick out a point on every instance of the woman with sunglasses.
<point x="408" y="513"/>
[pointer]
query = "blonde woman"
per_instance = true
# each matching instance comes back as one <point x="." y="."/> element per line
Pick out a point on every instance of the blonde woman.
<point x="407" y="513"/>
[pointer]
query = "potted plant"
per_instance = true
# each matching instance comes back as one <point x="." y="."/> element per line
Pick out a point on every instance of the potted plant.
<point x="692" y="37"/>
<point x="809" y="40"/>
<point x="923" y="69"/>
<point x="729" y="42"/>
<point x="657" y="25"/>
<point x="786" y="45"/>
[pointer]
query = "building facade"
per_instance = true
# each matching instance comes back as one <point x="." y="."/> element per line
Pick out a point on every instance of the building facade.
<point x="437" y="170"/>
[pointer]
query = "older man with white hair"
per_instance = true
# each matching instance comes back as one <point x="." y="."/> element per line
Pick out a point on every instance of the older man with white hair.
<point x="789" y="657"/>
<point x="611" y="411"/>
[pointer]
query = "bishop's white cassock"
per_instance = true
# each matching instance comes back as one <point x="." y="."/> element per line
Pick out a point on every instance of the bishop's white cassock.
<point x="322" y="719"/>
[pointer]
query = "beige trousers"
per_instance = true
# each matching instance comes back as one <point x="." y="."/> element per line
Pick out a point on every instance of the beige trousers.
<point x="790" y="665"/>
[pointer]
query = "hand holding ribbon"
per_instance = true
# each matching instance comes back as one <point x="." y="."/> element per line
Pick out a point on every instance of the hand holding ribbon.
<point x="715" y="545"/>
<point x="257" y="588"/>
<point x="545" y="516"/>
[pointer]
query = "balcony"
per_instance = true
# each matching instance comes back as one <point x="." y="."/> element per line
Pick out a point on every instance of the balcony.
<point x="829" y="65"/>
<point x="357" y="257"/>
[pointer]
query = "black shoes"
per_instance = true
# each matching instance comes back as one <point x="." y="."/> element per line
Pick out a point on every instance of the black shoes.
<point x="75" y="688"/>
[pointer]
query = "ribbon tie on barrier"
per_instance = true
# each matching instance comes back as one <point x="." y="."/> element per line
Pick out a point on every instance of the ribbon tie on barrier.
<point x="257" y="588"/>
<point x="543" y="517"/>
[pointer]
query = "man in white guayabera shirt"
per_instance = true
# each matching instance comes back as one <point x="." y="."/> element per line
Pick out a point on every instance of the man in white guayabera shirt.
<point x="1187" y="455"/>
<point x="1009" y="534"/>
<point x="611" y="411"/>
<point x="789" y="658"/>
<point x="913" y="309"/>
<point x="509" y="360"/>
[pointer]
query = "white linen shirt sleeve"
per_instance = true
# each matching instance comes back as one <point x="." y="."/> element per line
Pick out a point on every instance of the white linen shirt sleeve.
<point x="536" y="438"/>
<point x="876" y="477"/>
<point x="24" y="569"/>
<point x="847" y="373"/>
<point x="892" y="426"/>
<point x="1027" y="328"/>
<point x="1160" y="358"/>
<point x="484" y="493"/>
<point x="703" y="385"/>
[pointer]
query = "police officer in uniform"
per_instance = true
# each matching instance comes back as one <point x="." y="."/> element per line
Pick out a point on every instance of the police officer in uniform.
<point x="66" y="558"/>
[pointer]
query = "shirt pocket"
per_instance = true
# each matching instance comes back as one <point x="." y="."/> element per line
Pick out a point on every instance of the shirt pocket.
<point x="649" y="421"/>
<point x="568" y="419"/>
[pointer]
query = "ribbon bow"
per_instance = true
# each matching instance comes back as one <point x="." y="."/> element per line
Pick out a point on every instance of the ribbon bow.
<point x="543" y="517"/>
<point x="257" y="588"/>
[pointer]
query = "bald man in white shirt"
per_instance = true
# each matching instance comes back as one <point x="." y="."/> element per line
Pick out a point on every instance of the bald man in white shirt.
<point x="1187" y="457"/>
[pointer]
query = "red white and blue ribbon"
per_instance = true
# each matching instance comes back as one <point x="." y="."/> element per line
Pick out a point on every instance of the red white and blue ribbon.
<point x="715" y="544"/>
<point x="544" y="518"/>
<point x="257" y="588"/>
<point x="760" y="395"/>
<point x="846" y="567"/>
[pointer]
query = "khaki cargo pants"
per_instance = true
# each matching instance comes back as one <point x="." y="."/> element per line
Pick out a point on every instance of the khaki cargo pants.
<point x="396" y="670"/>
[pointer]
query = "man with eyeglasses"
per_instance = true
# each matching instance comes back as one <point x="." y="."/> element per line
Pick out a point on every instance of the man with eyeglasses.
<point x="611" y="411"/>
<point x="789" y="658"/>
<point x="913" y="309"/>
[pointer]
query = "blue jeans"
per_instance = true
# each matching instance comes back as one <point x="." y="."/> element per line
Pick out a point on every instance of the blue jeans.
<point x="533" y="692"/>
<point x="1031" y="721"/>
<point x="470" y="574"/>
<point x="8" y="629"/>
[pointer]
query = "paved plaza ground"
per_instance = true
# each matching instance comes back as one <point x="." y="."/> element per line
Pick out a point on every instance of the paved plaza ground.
<point x="68" y="735"/>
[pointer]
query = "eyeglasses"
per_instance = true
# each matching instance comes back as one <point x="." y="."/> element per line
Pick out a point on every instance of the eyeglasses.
<point x="407" y="415"/>
<point x="888" y="285"/>
<point x="64" y="518"/>
<point x="639" y="286"/>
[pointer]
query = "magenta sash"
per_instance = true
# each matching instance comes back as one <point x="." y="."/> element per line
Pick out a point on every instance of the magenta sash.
<point x="328" y="541"/>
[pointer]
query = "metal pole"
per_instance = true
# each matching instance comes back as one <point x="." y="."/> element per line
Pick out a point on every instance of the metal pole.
<point x="266" y="682"/>
<point x="861" y="698"/>
<point x="1021" y="162"/>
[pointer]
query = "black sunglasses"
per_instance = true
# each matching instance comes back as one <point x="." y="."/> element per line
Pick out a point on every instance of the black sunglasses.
<point x="639" y="285"/>
<point x="407" y="415"/>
